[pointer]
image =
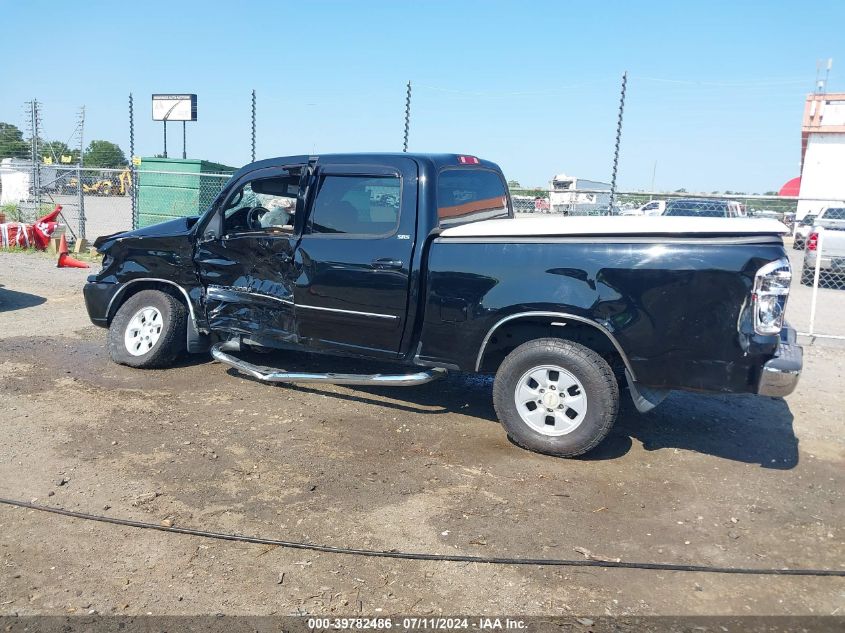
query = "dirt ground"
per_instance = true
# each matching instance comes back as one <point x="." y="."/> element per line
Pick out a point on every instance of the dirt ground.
<point x="718" y="480"/>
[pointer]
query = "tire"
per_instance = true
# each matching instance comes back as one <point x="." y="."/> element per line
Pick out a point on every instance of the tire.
<point x="159" y="322"/>
<point x="589" y="385"/>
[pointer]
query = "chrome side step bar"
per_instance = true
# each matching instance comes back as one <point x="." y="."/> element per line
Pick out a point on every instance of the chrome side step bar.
<point x="267" y="375"/>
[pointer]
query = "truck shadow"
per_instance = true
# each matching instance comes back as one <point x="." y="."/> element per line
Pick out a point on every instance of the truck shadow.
<point x="743" y="428"/>
<point x="14" y="300"/>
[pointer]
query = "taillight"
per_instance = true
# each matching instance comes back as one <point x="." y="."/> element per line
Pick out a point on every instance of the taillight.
<point x="813" y="241"/>
<point x="771" y="289"/>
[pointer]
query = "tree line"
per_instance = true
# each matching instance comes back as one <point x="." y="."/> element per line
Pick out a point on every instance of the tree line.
<point x="99" y="153"/>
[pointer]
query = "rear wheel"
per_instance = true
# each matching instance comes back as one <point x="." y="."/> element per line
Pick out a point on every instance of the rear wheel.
<point x="149" y="330"/>
<point x="557" y="397"/>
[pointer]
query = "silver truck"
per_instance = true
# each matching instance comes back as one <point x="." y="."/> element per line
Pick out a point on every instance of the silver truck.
<point x="825" y="246"/>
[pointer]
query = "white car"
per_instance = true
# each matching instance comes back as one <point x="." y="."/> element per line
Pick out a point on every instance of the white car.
<point x="652" y="207"/>
<point x="831" y="259"/>
<point x="803" y="230"/>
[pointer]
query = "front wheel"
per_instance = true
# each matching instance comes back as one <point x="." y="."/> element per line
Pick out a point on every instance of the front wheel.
<point x="149" y="330"/>
<point x="556" y="397"/>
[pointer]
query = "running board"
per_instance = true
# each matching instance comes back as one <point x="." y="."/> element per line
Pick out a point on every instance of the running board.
<point x="266" y="375"/>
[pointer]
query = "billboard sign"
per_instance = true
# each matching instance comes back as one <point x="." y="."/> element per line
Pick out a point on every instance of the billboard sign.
<point x="174" y="107"/>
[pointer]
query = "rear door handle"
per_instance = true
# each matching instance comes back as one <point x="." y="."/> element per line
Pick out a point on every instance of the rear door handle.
<point x="385" y="263"/>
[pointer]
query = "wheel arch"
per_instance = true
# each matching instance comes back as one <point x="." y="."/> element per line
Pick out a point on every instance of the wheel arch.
<point x="195" y="340"/>
<point x="581" y="329"/>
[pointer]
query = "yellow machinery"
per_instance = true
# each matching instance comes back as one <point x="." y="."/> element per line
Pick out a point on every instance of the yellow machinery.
<point x="120" y="186"/>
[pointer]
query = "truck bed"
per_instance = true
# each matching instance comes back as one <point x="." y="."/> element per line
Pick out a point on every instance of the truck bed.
<point x="616" y="225"/>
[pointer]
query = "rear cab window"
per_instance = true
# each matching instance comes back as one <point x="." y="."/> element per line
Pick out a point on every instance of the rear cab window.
<point x="469" y="195"/>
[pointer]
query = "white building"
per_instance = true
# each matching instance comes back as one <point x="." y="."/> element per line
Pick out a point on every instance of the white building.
<point x="16" y="179"/>
<point x="822" y="153"/>
<point x="578" y="196"/>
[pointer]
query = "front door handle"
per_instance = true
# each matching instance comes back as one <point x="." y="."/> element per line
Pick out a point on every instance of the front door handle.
<point x="385" y="263"/>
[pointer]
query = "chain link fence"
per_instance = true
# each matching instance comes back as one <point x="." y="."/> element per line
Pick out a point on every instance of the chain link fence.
<point x="594" y="201"/>
<point x="817" y="300"/>
<point x="817" y="254"/>
<point x="99" y="202"/>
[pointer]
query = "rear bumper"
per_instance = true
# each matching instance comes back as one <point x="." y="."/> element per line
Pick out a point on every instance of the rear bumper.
<point x="98" y="297"/>
<point x="780" y="375"/>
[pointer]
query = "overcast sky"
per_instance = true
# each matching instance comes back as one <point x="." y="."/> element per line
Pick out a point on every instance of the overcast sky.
<point x="715" y="91"/>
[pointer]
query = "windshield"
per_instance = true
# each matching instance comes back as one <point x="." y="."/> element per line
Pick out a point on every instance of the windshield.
<point x="808" y="220"/>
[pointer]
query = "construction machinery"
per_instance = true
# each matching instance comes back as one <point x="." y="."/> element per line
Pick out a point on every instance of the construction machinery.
<point x="110" y="185"/>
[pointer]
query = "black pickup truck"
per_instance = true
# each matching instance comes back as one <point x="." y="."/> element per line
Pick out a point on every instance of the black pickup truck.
<point x="418" y="259"/>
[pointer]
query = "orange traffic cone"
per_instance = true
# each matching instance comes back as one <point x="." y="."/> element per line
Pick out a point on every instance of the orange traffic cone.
<point x="65" y="260"/>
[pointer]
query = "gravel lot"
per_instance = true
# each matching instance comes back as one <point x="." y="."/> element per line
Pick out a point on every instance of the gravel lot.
<point x="719" y="480"/>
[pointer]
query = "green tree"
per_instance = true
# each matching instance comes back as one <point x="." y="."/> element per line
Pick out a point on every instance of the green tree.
<point x="104" y="154"/>
<point x="12" y="144"/>
<point x="57" y="149"/>
<point x="514" y="184"/>
<point x="681" y="190"/>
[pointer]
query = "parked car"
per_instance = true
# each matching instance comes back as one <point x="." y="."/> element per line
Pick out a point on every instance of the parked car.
<point x="704" y="208"/>
<point x="764" y="213"/>
<point x="564" y="311"/>
<point x="652" y="207"/>
<point x="805" y="226"/>
<point x="827" y="249"/>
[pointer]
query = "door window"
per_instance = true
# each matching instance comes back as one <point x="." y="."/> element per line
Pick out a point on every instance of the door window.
<point x="356" y="205"/>
<point x="264" y="203"/>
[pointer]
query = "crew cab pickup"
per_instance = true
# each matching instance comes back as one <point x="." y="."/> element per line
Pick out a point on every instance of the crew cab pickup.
<point x="418" y="259"/>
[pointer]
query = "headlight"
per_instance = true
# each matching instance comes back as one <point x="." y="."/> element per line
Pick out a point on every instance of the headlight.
<point x="771" y="289"/>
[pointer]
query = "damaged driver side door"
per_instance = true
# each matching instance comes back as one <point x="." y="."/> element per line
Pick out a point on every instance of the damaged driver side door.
<point x="244" y="257"/>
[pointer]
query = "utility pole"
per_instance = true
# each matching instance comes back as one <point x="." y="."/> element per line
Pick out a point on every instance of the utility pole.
<point x="133" y="176"/>
<point x="407" y="116"/>
<point x="184" y="136"/>
<point x="618" y="140"/>
<point x="653" y="174"/>
<point x="165" y="137"/>
<point x="34" y="132"/>
<point x="827" y="72"/>
<point x="253" y="126"/>
<point x="79" y="196"/>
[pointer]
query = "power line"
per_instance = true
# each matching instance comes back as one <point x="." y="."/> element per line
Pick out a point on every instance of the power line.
<point x="458" y="558"/>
